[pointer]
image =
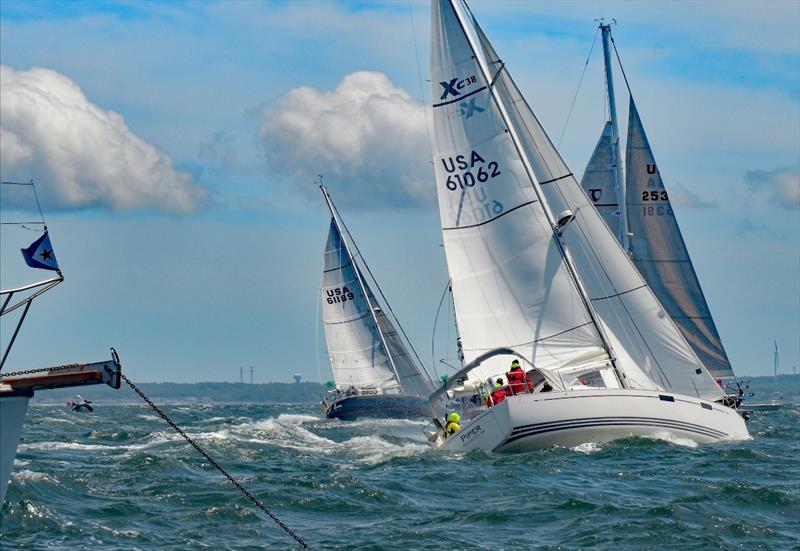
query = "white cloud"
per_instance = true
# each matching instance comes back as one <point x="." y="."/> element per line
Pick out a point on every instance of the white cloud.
<point x="80" y="154"/>
<point x="683" y="197"/>
<point x="367" y="137"/>
<point x="783" y="184"/>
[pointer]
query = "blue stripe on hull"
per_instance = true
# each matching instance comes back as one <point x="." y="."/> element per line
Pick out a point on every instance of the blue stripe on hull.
<point x="553" y="426"/>
<point x="385" y="406"/>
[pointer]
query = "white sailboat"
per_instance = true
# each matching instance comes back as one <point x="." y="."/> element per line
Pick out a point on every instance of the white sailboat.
<point x="375" y="373"/>
<point x="641" y="216"/>
<point x="16" y="389"/>
<point x="537" y="276"/>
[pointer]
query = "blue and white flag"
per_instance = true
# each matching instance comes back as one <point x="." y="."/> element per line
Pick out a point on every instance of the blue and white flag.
<point x="40" y="254"/>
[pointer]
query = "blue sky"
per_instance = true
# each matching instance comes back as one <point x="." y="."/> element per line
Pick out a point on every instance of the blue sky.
<point x="175" y="147"/>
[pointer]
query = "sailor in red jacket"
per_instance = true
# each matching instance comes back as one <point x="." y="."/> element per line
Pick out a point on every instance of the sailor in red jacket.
<point x="518" y="379"/>
<point x="498" y="395"/>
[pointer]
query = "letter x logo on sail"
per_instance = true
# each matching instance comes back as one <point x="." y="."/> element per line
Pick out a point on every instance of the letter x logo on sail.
<point x="449" y="88"/>
<point x="469" y="109"/>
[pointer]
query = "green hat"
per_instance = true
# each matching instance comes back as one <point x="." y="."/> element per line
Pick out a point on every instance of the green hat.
<point x="515" y="363"/>
<point x="454" y="417"/>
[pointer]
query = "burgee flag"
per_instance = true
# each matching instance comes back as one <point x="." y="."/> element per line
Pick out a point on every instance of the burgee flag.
<point x="40" y="254"/>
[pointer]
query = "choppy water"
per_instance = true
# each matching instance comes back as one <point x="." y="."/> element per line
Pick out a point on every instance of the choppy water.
<point x="121" y="479"/>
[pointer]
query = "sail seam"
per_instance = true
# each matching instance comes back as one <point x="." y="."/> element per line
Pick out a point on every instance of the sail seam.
<point x="339" y="268"/>
<point x="539" y="339"/>
<point x="620" y="294"/>
<point x="465" y="96"/>
<point x="555" y="179"/>
<point x="364" y="315"/>
<point x="491" y="219"/>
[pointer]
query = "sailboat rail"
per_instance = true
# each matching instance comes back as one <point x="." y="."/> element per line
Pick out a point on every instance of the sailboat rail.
<point x="46" y="286"/>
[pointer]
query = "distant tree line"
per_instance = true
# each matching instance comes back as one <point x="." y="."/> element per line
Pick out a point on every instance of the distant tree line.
<point x="278" y="393"/>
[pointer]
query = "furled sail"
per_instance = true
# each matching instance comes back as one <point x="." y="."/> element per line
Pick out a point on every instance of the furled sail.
<point x="599" y="180"/>
<point x="358" y="357"/>
<point x="508" y="258"/>
<point x="660" y="254"/>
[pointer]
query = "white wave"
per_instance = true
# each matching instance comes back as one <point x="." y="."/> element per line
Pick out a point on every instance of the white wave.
<point x="33" y="476"/>
<point x="587" y="448"/>
<point x="149" y="417"/>
<point x="68" y="446"/>
<point x="672" y="439"/>
<point x="385" y="423"/>
<point x="372" y="450"/>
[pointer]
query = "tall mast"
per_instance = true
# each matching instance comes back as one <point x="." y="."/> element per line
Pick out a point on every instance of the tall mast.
<point x="612" y="110"/>
<point x="331" y="208"/>
<point x="515" y="139"/>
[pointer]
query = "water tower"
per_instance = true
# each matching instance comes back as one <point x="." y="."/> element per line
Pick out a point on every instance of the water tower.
<point x="297" y="377"/>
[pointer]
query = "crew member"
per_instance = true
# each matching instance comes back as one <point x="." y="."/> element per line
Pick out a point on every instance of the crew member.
<point x="453" y="426"/>
<point x="499" y="393"/>
<point x="518" y="379"/>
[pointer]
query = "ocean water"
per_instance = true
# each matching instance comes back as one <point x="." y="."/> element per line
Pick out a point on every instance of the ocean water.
<point x="122" y="479"/>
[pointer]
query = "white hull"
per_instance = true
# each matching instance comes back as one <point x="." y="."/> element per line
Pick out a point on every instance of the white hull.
<point x="12" y="416"/>
<point x="532" y="421"/>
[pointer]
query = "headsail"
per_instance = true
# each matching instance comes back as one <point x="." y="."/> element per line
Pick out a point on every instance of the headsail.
<point x="599" y="180"/>
<point x="660" y="254"/>
<point x="507" y="259"/>
<point x="510" y="285"/>
<point x="355" y="347"/>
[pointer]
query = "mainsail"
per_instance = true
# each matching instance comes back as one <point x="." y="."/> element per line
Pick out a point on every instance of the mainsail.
<point x="660" y="254"/>
<point x="358" y="332"/>
<point x="551" y="292"/>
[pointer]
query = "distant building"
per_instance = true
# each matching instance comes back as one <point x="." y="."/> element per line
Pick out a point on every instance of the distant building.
<point x="297" y="377"/>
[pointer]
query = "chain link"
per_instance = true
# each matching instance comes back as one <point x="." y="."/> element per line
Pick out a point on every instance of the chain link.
<point x="42" y="370"/>
<point x="216" y="465"/>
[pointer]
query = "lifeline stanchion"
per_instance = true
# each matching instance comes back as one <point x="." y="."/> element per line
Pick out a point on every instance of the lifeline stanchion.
<point x="216" y="465"/>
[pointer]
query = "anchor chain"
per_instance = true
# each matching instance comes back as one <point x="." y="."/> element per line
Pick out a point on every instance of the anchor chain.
<point x="216" y="465"/>
<point x="41" y="370"/>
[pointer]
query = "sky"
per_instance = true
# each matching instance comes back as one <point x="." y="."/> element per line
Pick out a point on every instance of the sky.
<point x="175" y="146"/>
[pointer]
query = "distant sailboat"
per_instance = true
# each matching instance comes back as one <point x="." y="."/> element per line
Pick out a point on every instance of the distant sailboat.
<point x="376" y="375"/>
<point x="640" y="215"/>
<point x="537" y="277"/>
<point x="16" y="389"/>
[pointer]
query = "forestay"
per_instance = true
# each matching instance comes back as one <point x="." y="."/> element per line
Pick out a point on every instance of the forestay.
<point x="660" y="254"/>
<point x="511" y="287"/>
<point x="648" y="346"/>
<point x="358" y="357"/>
<point x="599" y="180"/>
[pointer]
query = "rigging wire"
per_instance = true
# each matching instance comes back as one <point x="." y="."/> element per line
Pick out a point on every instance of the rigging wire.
<point x="621" y="68"/>
<point x="435" y="323"/>
<point x="577" y="91"/>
